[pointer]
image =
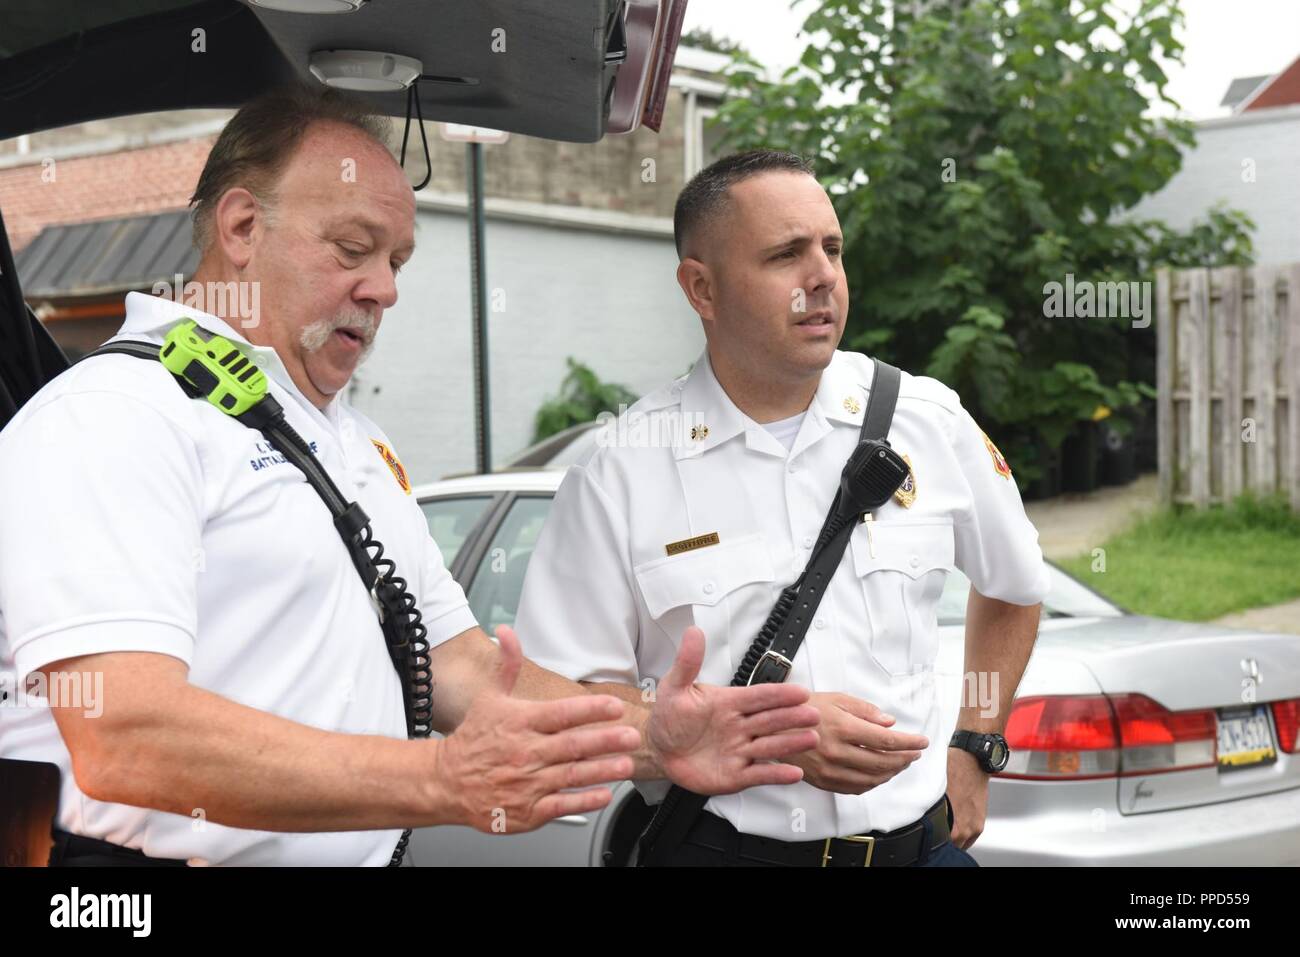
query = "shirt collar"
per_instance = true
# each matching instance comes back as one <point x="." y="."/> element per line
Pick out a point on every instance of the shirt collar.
<point x="842" y="392"/>
<point x="151" y="317"/>
<point x="709" y="417"/>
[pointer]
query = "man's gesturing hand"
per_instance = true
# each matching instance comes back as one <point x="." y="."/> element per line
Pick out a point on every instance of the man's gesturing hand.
<point x="857" y="751"/>
<point x="713" y="740"/>
<point x="506" y="767"/>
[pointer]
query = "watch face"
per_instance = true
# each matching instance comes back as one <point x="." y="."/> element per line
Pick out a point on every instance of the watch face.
<point x="998" y="754"/>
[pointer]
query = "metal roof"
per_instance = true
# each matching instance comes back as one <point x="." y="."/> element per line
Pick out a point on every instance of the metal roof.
<point x="109" y="255"/>
<point x="1242" y="87"/>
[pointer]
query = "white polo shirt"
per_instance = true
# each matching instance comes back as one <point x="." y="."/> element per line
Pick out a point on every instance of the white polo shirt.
<point x="133" y="518"/>
<point x="606" y="599"/>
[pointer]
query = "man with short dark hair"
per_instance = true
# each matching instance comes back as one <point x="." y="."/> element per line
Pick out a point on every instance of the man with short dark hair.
<point x="708" y="528"/>
<point x="248" y="710"/>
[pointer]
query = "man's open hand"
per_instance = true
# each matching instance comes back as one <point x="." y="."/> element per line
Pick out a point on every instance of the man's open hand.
<point x="508" y="766"/>
<point x="714" y="740"/>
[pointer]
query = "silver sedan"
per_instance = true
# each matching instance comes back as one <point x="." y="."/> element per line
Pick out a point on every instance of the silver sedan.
<point x="1134" y="740"/>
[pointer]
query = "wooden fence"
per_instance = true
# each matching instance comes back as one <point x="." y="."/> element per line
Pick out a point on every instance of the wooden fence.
<point x="1228" y="377"/>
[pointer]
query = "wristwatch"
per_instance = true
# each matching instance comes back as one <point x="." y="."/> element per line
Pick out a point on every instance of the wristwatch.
<point x="990" y="750"/>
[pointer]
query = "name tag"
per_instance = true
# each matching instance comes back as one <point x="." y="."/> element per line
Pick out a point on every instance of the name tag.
<point x="690" y="544"/>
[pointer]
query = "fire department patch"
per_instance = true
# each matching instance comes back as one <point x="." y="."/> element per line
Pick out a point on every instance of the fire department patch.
<point x="398" y="470"/>
<point x="999" y="462"/>
<point x="906" y="493"/>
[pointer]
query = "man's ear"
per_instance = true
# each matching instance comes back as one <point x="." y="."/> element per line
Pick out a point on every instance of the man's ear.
<point x="697" y="281"/>
<point x="235" y="222"/>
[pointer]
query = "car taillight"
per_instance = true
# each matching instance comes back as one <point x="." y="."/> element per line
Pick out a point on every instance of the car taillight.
<point x="1286" y="715"/>
<point x="1057" y="736"/>
<point x="1075" y="737"/>
<point x="1155" y="739"/>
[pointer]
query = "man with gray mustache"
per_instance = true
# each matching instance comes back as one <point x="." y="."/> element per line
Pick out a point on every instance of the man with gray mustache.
<point x="355" y="321"/>
<point x="252" y="714"/>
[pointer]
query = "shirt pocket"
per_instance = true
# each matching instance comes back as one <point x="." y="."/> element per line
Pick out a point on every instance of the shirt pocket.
<point x="706" y="587"/>
<point x="901" y="568"/>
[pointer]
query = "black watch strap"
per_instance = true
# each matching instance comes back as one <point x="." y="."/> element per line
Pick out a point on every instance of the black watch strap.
<point x="975" y="743"/>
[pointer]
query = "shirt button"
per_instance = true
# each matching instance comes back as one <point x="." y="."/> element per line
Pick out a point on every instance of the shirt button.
<point x="708" y="588"/>
<point x="819" y="623"/>
<point x="808" y="542"/>
<point x="792" y="469"/>
<point x="915" y="561"/>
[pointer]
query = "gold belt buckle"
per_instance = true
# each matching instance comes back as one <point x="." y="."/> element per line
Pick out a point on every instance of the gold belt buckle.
<point x="859" y="838"/>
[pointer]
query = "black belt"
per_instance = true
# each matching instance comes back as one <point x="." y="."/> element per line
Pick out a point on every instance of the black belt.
<point x="897" y="848"/>
<point x="73" y="850"/>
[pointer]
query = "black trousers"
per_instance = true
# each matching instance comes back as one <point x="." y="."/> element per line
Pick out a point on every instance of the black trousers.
<point x="688" y="854"/>
<point x="947" y="854"/>
<point x="73" y="850"/>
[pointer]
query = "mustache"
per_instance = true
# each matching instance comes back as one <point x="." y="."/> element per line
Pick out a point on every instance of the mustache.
<point x="314" y="336"/>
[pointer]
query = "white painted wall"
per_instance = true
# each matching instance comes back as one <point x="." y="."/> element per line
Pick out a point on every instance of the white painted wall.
<point x="1213" y="171"/>
<point x="607" y="298"/>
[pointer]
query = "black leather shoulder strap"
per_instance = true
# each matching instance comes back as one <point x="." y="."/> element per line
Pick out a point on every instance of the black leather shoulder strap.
<point x="881" y="402"/>
<point x="141" y="350"/>
<point x="129" y="347"/>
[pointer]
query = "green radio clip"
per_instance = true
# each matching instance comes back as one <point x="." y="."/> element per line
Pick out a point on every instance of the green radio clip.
<point x="215" y="366"/>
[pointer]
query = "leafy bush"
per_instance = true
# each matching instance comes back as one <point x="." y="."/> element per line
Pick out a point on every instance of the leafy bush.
<point x="582" y="397"/>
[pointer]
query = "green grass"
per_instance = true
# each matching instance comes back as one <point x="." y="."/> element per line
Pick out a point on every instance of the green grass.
<point x="1195" y="566"/>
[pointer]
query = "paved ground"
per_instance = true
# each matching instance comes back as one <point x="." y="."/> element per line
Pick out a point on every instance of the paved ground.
<point x="1073" y="524"/>
<point x="1070" y="525"/>
<point x="1281" y="618"/>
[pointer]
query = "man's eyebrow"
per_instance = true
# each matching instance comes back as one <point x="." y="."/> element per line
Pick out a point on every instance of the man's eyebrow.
<point x="802" y="239"/>
<point x="371" y="226"/>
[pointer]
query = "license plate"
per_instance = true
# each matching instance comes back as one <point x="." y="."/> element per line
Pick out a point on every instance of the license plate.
<point x="1245" y="738"/>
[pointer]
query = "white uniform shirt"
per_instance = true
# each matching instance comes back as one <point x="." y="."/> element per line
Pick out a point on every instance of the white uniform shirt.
<point x="137" y="519"/>
<point x="605" y="601"/>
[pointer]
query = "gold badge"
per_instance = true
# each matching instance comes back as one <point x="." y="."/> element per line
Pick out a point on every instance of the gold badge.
<point x="905" y="494"/>
<point x="999" y="462"/>
<point x="396" y="467"/>
<point x="690" y="544"/>
<point x="851" y="405"/>
<point x="699" y="432"/>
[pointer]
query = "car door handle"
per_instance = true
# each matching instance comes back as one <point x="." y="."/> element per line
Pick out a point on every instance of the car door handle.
<point x="578" y="819"/>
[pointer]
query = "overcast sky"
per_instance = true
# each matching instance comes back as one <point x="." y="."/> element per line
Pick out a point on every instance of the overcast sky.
<point x="1223" y="39"/>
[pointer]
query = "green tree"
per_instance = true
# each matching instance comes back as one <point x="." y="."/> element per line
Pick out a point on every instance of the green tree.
<point x="582" y="397"/>
<point x="977" y="150"/>
<point x="702" y="38"/>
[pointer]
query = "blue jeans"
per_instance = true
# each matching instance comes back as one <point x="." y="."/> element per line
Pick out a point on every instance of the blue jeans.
<point x="948" y="854"/>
